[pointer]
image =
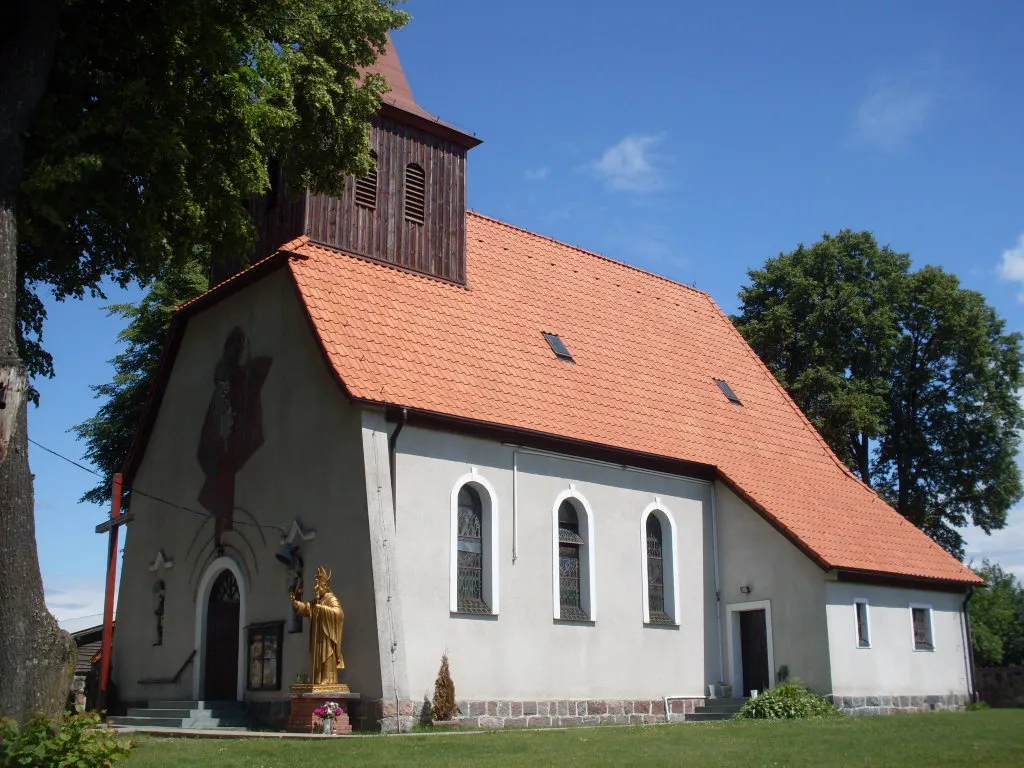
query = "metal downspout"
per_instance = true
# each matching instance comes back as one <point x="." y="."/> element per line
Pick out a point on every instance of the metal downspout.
<point x="718" y="587"/>
<point x="392" y="462"/>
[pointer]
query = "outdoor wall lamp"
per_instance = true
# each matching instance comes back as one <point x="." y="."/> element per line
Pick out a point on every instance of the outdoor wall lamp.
<point x="745" y="589"/>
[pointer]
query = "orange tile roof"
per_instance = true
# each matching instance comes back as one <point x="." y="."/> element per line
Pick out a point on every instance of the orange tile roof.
<point x="647" y="352"/>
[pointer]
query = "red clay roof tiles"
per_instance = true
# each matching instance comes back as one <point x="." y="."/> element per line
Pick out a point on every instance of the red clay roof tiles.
<point x="647" y="352"/>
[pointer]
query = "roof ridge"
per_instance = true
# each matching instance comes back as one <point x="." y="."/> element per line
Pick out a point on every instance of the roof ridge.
<point x="595" y="254"/>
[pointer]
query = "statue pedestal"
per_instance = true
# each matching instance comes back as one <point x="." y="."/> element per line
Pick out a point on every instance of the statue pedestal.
<point x="306" y="698"/>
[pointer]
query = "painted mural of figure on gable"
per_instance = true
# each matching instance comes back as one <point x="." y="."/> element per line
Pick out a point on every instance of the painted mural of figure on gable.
<point x="233" y="428"/>
<point x="326" y="625"/>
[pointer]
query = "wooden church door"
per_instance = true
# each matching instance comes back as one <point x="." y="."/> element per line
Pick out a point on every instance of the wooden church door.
<point x="754" y="651"/>
<point x="221" y="656"/>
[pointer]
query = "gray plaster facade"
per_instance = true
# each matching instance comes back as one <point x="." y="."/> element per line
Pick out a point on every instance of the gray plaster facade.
<point x="381" y="506"/>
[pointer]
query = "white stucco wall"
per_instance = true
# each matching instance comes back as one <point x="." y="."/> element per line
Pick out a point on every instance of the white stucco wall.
<point x="524" y="652"/>
<point x="891" y="666"/>
<point x="755" y="555"/>
<point x="309" y="467"/>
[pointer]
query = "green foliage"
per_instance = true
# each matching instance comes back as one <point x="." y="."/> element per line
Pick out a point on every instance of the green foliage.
<point x="108" y="434"/>
<point x="73" y="741"/>
<point x="789" y="701"/>
<point x="997" y="618"/>
<point x="909" y="377"/>
<point x="158" y="121"/>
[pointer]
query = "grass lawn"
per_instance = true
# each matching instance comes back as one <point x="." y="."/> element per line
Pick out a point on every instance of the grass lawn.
<point x="990" y="738"/>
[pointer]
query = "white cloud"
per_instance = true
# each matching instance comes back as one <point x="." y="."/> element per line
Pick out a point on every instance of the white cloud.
<point x="628" y="166"/>
<point x="1012" y="268"/>
<point x="1005" y="546"/>
<point x="71" y="598"/>
<point x="536" y="174"/>
<point x="892" y="112"/>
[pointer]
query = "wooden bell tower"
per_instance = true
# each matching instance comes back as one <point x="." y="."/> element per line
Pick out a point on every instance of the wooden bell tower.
<point x="410" y="212"/>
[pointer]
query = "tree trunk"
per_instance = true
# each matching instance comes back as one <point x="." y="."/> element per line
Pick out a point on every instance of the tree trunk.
<point x="36" y="656"/>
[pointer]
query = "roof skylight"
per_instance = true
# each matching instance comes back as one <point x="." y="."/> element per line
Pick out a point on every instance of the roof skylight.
<point x="558" y="346"/>
<point x="727" y="391"/>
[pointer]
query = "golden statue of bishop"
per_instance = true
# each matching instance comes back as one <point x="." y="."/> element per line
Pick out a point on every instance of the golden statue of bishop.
<point x="326" y="624"/>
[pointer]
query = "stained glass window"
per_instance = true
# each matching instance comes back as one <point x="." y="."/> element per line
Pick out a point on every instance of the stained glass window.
<point x="265" y="656"/>
<point x="656" y="572"/>
<point x="471" y="552"/>
<point x="570" y="544"/>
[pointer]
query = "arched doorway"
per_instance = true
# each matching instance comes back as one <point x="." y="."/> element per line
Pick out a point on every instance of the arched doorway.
<point x="221" y="652"/>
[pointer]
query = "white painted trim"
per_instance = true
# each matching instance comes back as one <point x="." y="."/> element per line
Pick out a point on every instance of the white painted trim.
<point x="867" y="621"/>
<point x="669" y="560"/>
<point x="732" y="611"/>
<point x="588" y="559"/>
<point x="931" y="627"/>
<point x="202" y="603"/>
<point x="491" y="531"/>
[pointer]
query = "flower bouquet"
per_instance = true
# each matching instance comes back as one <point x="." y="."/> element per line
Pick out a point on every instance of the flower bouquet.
<point x="327" y="712"/>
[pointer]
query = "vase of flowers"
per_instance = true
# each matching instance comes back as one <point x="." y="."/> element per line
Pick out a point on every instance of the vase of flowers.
<point x="327" y="712"/>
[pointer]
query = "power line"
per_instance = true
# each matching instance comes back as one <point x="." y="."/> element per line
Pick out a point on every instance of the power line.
<point x="139" y="492"/>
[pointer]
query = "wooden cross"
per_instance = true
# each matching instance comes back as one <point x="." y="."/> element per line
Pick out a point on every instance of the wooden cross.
<point x="111" y="527"/>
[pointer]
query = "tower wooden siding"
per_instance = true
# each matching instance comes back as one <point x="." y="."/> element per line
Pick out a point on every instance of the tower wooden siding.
<point x="437" y="247"/>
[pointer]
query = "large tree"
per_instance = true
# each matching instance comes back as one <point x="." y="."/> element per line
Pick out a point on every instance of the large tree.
<point x="131" y="132"/>
<point x="911" y="378"/>
<point x="997" y="618"/>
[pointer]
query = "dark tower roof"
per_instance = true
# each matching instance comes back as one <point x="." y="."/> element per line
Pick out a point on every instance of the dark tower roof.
<point x="400" y="105"/>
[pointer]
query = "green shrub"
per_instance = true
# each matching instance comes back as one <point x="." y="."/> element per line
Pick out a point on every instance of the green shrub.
<point x="977" y="706"/>
<point x="789" y="701"/>
<point x="73" y="741"/>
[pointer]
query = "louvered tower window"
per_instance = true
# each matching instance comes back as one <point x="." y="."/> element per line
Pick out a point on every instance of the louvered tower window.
<point x="471" y="552"/>
<point x="415" y="194"/>
<point x="366" y="186"/>
<point x="569" y="562"/>
<point x="656" y="572"/>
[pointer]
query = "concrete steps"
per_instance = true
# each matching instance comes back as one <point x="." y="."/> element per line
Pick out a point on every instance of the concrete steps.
<point x="203" y="715"/>
<point x="716" y="709"/>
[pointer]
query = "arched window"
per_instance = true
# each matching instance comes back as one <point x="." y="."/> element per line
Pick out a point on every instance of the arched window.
<point x="658" y="550"/>
<point x="474" y="564"/>
<point x="415" y="193"/>
<point x="366" y="186"/>
<point x="573" y="559"/>
<point x="471" y="551"/>
<point x="569" y="546"/>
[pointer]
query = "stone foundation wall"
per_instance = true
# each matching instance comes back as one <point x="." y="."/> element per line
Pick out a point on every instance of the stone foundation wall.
<point x="1001" y="686"/>
<point x="891" y="705"/>
<point x="268" y="715"/>
<point x="491" y="714"/>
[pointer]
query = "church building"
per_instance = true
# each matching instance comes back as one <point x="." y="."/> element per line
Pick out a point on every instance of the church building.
<point x="568" y="474"/>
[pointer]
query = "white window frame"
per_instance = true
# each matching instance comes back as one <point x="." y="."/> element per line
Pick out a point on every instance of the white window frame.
<point x="931" y="628"/>
<point x="588" y="555"/>
<point x="491" y="527"/>
<point x="669" y="559"/>
<point x="867" y="622"/>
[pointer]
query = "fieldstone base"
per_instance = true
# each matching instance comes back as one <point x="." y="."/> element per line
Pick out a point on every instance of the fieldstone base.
<point x="892" y="705"/>
<point x="492" y="714"/>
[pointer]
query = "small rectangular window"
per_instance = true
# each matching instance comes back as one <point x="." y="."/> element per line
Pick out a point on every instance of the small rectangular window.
<point x="558" y="346"/>
<point x="727" y="391"/>
<point x="863" y="630"/>
<point x="921" y="617"/>
<point x="265" y="656"/>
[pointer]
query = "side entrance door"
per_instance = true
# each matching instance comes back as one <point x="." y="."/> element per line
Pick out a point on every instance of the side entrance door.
<point x="754" y="650"/>
<point x="221" y="653"/>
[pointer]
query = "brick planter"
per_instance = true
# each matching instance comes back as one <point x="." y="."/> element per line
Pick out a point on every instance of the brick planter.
<point x="302" y="719"/>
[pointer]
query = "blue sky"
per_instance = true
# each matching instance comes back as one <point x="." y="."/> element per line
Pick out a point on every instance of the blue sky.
<point x="695" y="140"/>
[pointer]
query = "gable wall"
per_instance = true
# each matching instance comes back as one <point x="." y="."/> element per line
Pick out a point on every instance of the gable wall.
<point x="753" y="554"/>
<point x="310" y="467"/>
<point x="524" y="653"/>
